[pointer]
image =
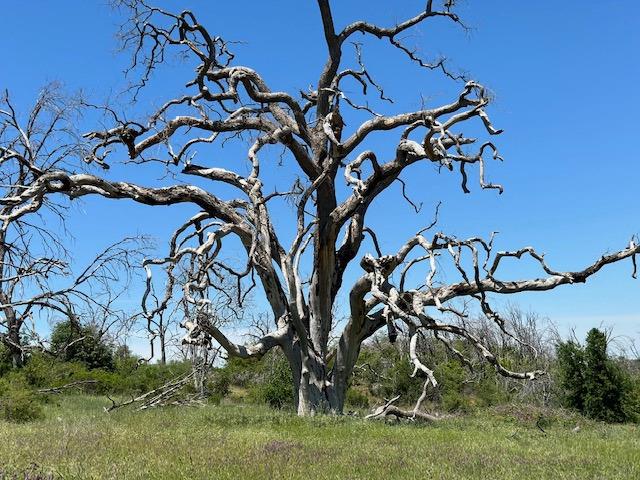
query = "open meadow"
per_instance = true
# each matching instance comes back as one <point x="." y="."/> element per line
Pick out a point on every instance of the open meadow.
<point x="77" y="440"/>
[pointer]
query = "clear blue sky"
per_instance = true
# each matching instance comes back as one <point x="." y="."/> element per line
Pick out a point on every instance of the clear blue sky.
<point x="565" y="79"/>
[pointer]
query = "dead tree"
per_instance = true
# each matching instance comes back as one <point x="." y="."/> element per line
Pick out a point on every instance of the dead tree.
<point x="36" y="279"/>
<point x="226" y="102"/>
<point x="164" y="312"/>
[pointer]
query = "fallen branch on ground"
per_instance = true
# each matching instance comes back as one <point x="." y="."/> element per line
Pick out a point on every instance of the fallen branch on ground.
<point x="168" y="394"/>
<point x="67" y="386"/>
<point x="389" y="409"/>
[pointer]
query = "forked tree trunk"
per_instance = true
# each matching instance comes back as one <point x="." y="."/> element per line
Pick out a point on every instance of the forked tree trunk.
<point x="315" y="392"/>
<point x="318" y="388"/>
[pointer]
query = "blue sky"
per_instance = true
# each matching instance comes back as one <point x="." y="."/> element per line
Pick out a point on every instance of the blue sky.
<point x="564" y="75"/>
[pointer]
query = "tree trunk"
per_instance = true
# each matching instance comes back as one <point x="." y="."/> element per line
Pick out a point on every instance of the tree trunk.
<point x="12" y="323"/>
<point x="13" y="337"/>
<point x="316" y="389"/>
<point x="312" y="398"/>
<point x="163" y="348"/>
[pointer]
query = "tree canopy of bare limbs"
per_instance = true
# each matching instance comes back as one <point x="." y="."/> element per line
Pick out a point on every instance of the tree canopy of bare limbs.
<point x="226" y="102"/>
<point x="37" y="282"/>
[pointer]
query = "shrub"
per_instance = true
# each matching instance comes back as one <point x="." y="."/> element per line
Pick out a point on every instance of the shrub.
<point x="605" y="384"/>
<point x="127" y="378"/>
<point x="571" y="369"/>
<point x="214" y="399"/>
<point x="387" y="372"/>
<point x="592" y="382"/>
<point x="244" y="372"/>
<point x="268" y="380"/>
<point x="490" y="390"/>
<point x="631" y="402"/>
<point x="271" y="380"/>
<point x="18" y="403"/>
<point x="219" y="383"/>
<point x="6" y="362"/>
<point x="275" y="387"/>
<point x="450" y="377"/>
<point x="81" y="343"/>
<point x="356" y="399"/>
<point x="42" y="370"/>
<point x="135" y="379"/>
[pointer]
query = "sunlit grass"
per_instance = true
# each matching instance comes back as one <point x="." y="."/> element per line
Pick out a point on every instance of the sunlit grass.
<point x="78" y="440"/>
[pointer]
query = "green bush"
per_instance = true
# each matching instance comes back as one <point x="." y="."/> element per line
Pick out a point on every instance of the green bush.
<point x="244" y="372"/>
<point x="451" y="376"/>
<point x="17" y="402"/>
<point x="593" y="383"/>
<point x="386" y="372"/>
<point x="127" y="377"/>
<point x="219" y="383"/>
<point x="268" y="380"/>
<point x="457" y="393"/>
<point x="606" y="384"/>
<point x="44" y="371"/>
<point x="490" y="390"/>
<point x="456" y="402"/>
<point x="631" y="402"/>
<point x="81" y="343"/>
<point x="38" y="370"/>
<point x="356" y="399"/>
<point x="6" y="362"/>
<point x="275" y="382"/>
<point x="571" y="371"/>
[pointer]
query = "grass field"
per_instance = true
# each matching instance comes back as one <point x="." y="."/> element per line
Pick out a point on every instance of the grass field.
<point x="79" y="441"/>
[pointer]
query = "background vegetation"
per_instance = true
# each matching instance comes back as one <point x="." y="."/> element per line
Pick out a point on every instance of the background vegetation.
<point x="583" y="378"/>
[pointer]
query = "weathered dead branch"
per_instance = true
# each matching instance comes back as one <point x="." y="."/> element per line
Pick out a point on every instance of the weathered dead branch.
<point x="79" y="384"/>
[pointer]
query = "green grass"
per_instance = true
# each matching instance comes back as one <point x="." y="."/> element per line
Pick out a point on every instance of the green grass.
<point x="78" y="440"/>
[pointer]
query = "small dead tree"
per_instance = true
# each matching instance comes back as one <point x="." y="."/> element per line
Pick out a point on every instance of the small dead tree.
<point x="227" y="102"/>
<point x="36" y="280"/>
<point x="222" y="295"/>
